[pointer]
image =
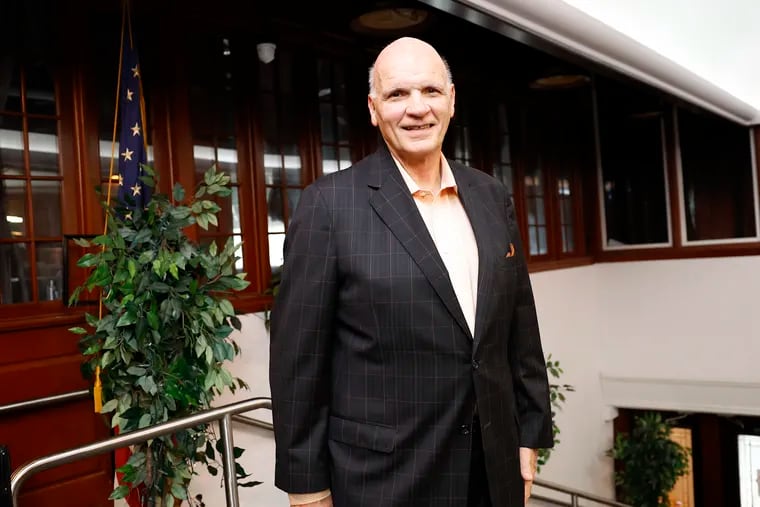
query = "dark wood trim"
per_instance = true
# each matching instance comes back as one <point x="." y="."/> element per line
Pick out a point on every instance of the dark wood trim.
<point x="567" y="262"/>
<point x="33" y="319"/>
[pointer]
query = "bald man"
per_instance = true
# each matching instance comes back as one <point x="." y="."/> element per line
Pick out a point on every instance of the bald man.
<point x="405" y="365"/>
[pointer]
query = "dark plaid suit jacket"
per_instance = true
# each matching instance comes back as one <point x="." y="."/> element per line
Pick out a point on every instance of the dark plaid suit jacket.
<point x="373" y="369"/>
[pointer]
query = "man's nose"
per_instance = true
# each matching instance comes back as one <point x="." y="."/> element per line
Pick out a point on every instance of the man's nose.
<point x="417" y="105"/>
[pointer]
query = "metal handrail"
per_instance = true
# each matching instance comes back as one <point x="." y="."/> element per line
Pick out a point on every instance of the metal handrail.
<point x="42" y="402"/>
<point x="222" y="414"/>
<point x="225" y="415"/>
<point x="575" y="495"/>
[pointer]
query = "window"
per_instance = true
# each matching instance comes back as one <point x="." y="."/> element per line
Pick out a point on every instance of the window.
<point x="718" y="179"/>
<point x="502" y="158"/>
<point x="632" y="172"/>
<point x="283" y="165"/>
<point x="555" y="151"/>
<point x="30" y="186"/>
<point x="212" y="118"/>
<point x="333" y="115"/>
<point x="459" y="135"/>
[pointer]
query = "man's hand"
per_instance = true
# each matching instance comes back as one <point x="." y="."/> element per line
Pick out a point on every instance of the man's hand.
<point x="528" y="460"/>
<point x="325" y="502"/>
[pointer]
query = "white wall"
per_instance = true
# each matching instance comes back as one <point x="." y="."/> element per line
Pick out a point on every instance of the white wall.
<point x="680" y="334"/>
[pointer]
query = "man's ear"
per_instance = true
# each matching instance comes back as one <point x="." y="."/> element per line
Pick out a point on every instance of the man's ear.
<point x="372" y="112"/>
<point x="453" y="99"/>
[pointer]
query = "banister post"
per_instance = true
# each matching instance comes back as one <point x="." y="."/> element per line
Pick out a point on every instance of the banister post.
<point x="5" y="478"/>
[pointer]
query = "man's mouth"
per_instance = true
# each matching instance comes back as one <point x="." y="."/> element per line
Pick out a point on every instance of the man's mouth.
<point x="418" y="127"/>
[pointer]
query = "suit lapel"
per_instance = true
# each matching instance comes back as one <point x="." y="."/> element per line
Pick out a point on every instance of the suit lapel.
<point x="396" y="208"/>
<point x="480" y="218"/>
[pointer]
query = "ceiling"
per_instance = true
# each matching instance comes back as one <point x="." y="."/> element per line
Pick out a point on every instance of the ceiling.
<point x="701" y="51"/>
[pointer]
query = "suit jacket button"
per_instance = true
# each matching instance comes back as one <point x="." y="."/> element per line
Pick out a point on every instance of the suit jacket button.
<point x="475" y="364"/>
<point x="464" y="429"/>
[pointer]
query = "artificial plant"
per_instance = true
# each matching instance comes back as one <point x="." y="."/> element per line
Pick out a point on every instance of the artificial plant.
<point x="652" y="462"/>
<point x="557" y="398"/>
<point x="163" y="337"/>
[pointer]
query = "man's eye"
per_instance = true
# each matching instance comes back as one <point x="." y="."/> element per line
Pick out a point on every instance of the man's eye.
<point x="395" y="94"/>
<point x="432" y="91"/>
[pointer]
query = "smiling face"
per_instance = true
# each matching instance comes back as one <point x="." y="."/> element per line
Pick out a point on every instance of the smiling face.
<point x="413" y="100"/>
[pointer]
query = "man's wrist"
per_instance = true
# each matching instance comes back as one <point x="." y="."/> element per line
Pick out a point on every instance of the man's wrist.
<point x="307" y="498"/>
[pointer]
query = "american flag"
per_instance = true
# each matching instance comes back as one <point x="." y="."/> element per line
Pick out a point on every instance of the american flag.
<point x="132" y="145"/>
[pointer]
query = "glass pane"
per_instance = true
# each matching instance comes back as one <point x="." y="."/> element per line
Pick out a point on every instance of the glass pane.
<point x="329" y="162"/>
<point x="505" y="156"/>
<point x="542" y="247"/>
<point x="15" y="284"/>
<point x="272" y="168"/>
<point x="716" y="160"/>
<point x="11" y="146"/>
<point x="339" y="84"/>
<point x="568" y="243"/>
<point x="46" y="206"/>
<point x="106" y="167"/>
<point x="40" y="91"/>
<point x="275" y="220"/>
<point x="324" y="80"/>
<point x="531" y="205"/>
<point x="204" y="157"/>
<point x="289" y="123"/>
<point x="235" y="207"/>
<point x="13" y="209"/>
<point x="276" y="242"/>
<point x="342" y="118"/>
<point x="294" y="194"/>
<point x="239" y="264"/>
<point x="268" y="119"/>
<point x="326" y="119"/>
<point x="10" y="89"/>
<point x="292" y="160"/>
<point x="540" y="218"/>
<point x="533" y="235"/>
<point x="49" y="271"/>
<point x="345" y="158"/>
<point x="43" y="147"/>
<point x="227" y="159"/>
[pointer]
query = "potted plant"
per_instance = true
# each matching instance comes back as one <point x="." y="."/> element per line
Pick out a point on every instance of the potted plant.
<point x="160" y="345"/>
<point x="557" y="397"/>
<point x="652" y="462"/>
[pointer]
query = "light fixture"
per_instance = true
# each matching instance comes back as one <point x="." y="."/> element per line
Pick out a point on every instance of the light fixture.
<point x="559" y="81"/>
<point x="265" y="51"/>
<point x="390" y="19"/>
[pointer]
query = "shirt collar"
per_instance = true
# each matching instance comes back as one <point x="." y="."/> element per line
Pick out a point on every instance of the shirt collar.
<point x="447" y="177"/>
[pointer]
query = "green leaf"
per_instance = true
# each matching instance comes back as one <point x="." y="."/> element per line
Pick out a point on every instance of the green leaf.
<point x="88" y="260"/>
<point x="179" y="491"/>
<point x="207" y="320"/>
<point x="178" y="192"/>
<point x="129" y="317"/>
<point x="144" y="421"/>
<point x="119" y="493"/>
<point x="82" y="242"/>
<point x="110" y="406"/>
<point x="78" y="330"/>
<point x="132" y="268"/>
<point x="153" y="321"/>
<point x="202" y="221"/>
<point x="212" y="219"/>
<point x="136" y="370"/>
<point x="212" y="248"/>
<point x="226" y="307"/>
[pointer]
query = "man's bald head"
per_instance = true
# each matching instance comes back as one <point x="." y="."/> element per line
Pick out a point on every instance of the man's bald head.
<point x="405" y="47"/>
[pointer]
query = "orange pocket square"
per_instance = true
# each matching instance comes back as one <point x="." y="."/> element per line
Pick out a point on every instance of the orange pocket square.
<point x="511" y="252"/>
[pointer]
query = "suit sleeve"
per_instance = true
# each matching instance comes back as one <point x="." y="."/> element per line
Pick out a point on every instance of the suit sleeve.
<point x="299" y="359"/>
<point x="526" y="356"/>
